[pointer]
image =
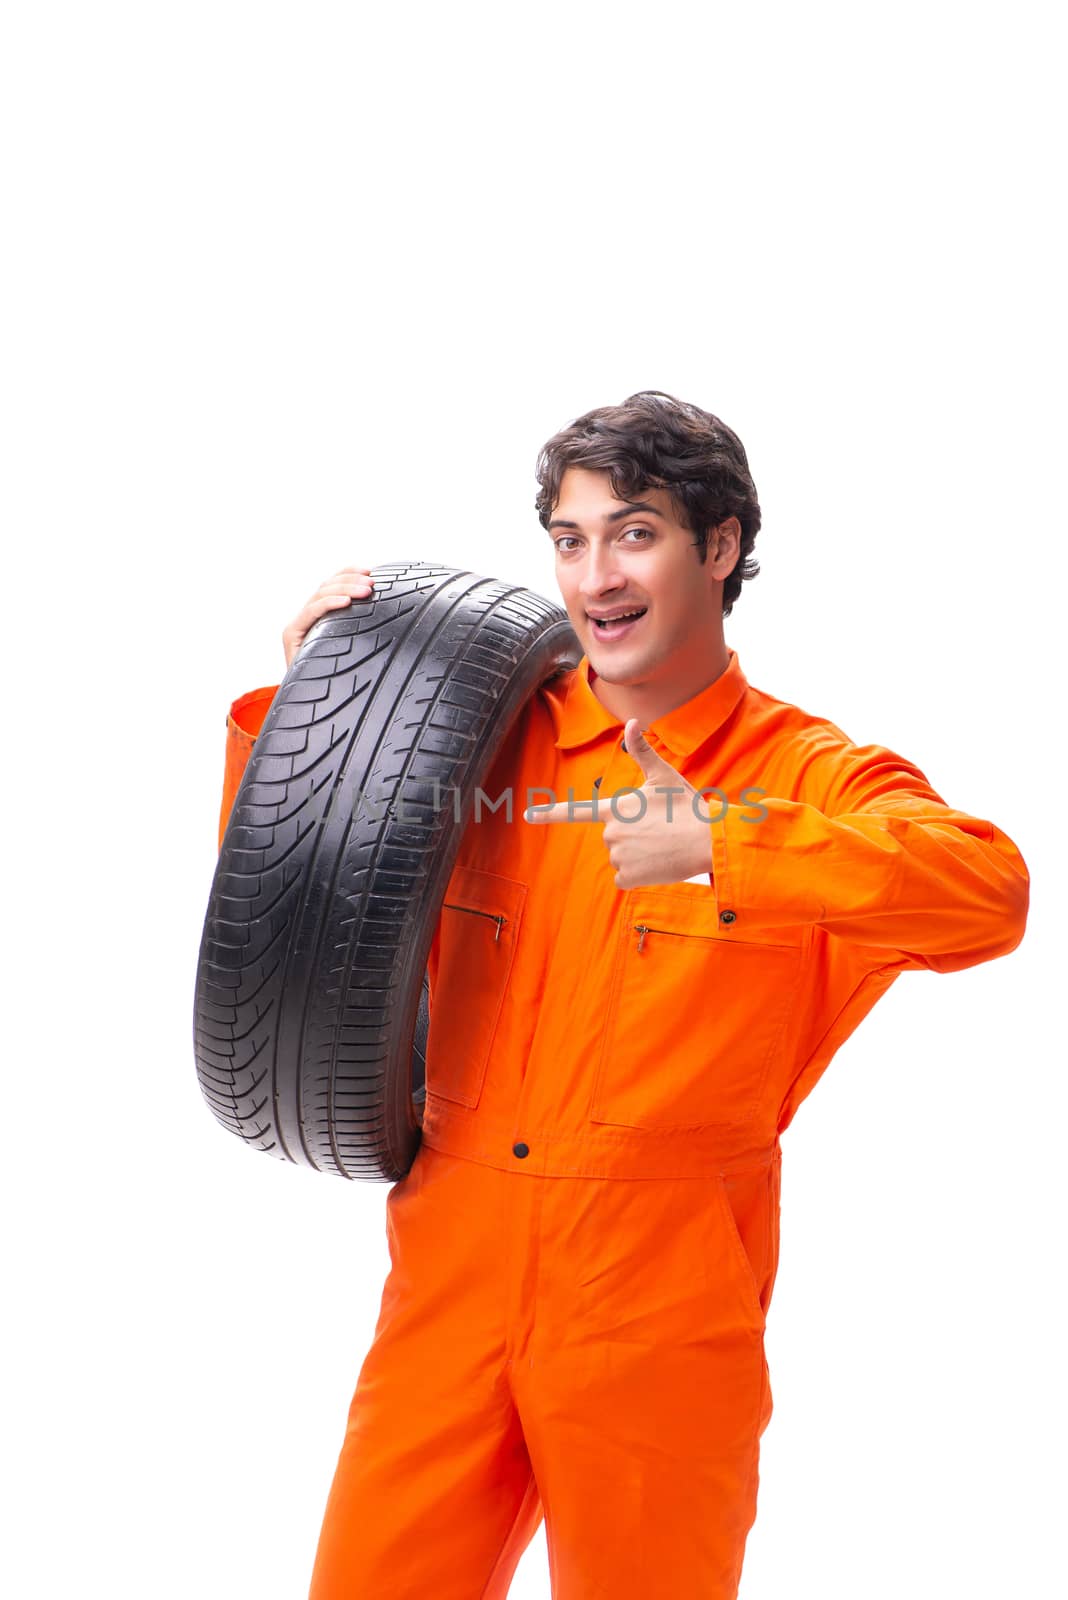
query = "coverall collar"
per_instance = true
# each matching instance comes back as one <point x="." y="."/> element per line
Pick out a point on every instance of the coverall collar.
<point x="580" y="716"/>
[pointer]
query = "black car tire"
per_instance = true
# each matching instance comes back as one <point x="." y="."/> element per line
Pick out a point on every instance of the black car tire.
<point x="311" y="1008"/>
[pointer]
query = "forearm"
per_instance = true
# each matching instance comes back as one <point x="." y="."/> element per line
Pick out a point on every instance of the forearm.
<point x="902" y="872"/>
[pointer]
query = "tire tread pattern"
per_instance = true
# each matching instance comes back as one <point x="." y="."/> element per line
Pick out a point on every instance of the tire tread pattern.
<point x="312" y="1006"/>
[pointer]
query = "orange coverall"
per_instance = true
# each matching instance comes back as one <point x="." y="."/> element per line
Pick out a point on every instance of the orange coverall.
<point x="583" y="1253"/>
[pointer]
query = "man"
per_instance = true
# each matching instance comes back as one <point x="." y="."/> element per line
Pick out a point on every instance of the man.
<point x="717" y="890"/>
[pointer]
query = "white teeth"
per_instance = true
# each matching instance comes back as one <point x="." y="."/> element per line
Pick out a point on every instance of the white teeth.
<point x="605" y="622"/>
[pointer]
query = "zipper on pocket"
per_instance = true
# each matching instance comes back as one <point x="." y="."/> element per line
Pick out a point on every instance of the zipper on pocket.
<point x="642" y="928"/>
<point x="475" y="912"/>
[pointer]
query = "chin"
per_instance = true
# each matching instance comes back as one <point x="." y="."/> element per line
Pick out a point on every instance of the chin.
<point x="614" y="670"/>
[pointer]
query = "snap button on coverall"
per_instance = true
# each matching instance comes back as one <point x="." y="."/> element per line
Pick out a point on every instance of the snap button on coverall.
<point x="584" y="1251"/>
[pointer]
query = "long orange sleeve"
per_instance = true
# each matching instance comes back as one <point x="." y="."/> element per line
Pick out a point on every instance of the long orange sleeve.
<point x="881" y="860"/>
<point x="243" y="722"/>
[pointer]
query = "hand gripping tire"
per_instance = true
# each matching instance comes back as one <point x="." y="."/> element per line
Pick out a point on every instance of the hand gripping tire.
<point x="311" y="1007"/>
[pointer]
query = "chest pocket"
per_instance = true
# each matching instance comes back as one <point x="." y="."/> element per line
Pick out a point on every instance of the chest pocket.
<point x="694" y="1014"/>
<point x="477" y="930"/>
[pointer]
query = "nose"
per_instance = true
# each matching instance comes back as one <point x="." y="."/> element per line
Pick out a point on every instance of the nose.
<point x="601" y="574"/>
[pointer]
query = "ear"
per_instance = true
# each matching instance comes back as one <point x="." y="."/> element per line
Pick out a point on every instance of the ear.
<point x="724" y="545"/>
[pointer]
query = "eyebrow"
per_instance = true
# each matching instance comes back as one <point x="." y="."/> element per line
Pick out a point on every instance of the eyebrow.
<point x="612" y="516"/>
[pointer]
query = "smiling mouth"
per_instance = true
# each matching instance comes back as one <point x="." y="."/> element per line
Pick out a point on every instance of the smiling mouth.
<point x="618" y="623"/>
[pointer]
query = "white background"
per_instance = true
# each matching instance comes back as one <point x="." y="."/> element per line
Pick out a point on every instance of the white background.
<point x="288" y="287"/>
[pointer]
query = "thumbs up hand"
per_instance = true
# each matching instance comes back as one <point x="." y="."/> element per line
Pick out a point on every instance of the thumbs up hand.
<point x="658" y="833"/>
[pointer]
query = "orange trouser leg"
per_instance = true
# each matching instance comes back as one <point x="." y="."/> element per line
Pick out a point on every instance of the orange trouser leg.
<point x="606" y="1333"/>
<point x="643" y="1389"/>
<point x="433" y="1495"/>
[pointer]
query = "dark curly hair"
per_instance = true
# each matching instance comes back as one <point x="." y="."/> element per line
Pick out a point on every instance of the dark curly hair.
<point x="654" y="441"/>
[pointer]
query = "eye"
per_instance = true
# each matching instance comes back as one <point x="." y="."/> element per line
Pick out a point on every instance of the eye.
<point x="558" y="542"/>
<point x="646" y="531"/>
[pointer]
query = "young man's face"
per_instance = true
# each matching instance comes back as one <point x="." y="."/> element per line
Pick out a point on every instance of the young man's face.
<point x="618" y="558"/>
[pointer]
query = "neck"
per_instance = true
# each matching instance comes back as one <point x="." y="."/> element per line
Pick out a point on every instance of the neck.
<point x="654" y="697"/>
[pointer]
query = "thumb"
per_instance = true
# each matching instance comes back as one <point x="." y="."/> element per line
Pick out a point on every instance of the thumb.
<point x="638" y="746"/>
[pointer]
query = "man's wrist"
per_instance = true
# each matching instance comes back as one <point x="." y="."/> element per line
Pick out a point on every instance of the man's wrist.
<point x="703" y="851"/>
